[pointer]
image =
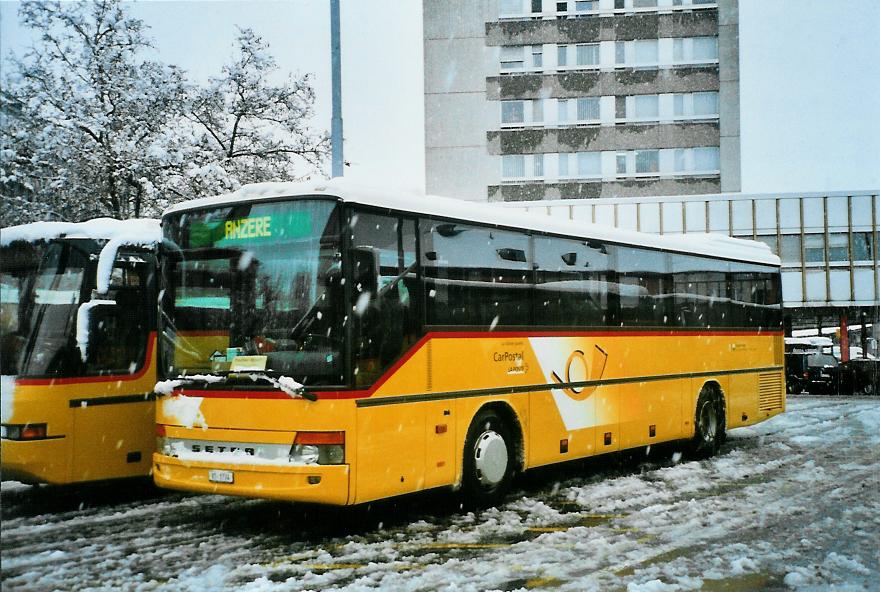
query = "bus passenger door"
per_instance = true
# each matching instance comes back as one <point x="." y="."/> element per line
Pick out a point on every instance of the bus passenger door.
<point x="114" y="419"/>
<point x="385" y="304"/>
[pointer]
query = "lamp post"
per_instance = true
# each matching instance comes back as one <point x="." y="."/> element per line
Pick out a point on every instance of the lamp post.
<point x="336" y="68"/>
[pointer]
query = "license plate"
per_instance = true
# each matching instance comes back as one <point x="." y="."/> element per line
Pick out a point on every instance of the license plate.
<point x="216" y="476"/>
<point x="826" y="375"/>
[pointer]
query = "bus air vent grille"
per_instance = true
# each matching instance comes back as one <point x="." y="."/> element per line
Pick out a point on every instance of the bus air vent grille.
<point x="770" y="391"/>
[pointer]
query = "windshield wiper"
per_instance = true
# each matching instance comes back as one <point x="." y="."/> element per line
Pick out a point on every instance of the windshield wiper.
<point x="283" y="383"/>
<point x="166" y="387"/>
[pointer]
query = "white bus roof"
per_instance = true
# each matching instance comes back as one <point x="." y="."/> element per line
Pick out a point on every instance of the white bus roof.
<point x="713" y="245"/>
<point x="143" y="230"/>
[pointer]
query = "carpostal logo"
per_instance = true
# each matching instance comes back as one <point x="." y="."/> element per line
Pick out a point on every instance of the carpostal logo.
<point x="579" y="359"/>
<point x="572" y="364"/>
<point x="515" y="361"/>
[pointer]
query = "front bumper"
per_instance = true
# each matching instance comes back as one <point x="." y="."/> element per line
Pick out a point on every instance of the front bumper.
<point x="262" y="481"/>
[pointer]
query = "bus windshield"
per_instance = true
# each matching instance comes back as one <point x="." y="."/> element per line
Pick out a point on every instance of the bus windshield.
<point x="255" y="287"/>
<point x="41" y="287"/>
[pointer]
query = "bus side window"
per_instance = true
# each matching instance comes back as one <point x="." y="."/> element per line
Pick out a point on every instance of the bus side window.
<point x="117" y="343"/>
<point x="385" y="292"/>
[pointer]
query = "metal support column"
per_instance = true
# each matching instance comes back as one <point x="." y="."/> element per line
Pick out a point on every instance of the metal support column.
<point x="336" y="69"/>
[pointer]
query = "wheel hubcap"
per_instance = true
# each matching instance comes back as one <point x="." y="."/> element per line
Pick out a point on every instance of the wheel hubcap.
<point x="708" y="422"/>
<point x="490" y="458"/>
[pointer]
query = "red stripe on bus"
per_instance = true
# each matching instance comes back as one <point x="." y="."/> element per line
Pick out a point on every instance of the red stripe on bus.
<point x="203" y="333"/>
<point x="151" y="340"/>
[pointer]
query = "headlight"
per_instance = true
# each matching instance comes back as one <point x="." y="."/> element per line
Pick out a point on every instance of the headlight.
<point x="323" y="448"/>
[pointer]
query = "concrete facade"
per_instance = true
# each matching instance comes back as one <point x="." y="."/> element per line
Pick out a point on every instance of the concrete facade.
<point x="537" y="99"/>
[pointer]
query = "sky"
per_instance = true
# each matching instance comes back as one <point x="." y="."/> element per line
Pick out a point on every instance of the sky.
<point x="809" y="80"/>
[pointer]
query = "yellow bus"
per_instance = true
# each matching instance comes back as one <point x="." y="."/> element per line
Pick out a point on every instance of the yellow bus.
<point x="331" y="344"/>
<point x="77" y="327"/>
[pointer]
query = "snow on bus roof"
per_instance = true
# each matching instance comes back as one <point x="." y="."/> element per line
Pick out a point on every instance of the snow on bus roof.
<point x="714" y="245"/>
<point x="139" y="231"/>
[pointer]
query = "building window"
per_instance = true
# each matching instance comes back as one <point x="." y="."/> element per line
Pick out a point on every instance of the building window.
<point x="537" y="6"/>
<point x="706" y="103"/>
<point x="701" y="104"/>
<point x="588" y="109"/>
<point x="586" y="5"/>
<point x="562" y="110"/>
<point x="588" y="55"/>
<point x="647" y="161"/>
<point x="696" y="160"/>
<point x="589" y="164"/>
<point x="678" y="105"/>
<point x="814" y="248"/>
<point x="646" y="51"/>
<point x="512" y="112"/>
<point x="619" y="4"/>
<point x="678" y="50"/>
<point x="563" y="165"/>
<point x="518" y="167"/>
<point x="838" y="247"/>
<point x="621" y="163"/>
<point x="562" y="56"/>
<point x="644" y="3"/>
<point x="705" y="48"/>
<point x="537" y="56"/>
<point x="646" y="107"/>
<point x="512" y="58"/>
<point x="694" y="49"/>
<point x="706" y="159"/>
<point x="790" y="248"/>
<point x="620" y="52"/>
<point x="513" y="166"/>
<point x="562" y="7"/>
<point x="862" y="249"/>
<point x="537" y="110"/>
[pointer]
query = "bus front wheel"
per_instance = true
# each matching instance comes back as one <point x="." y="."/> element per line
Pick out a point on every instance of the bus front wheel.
<point x="488" y="460"/>
<point x="709" y="423"/>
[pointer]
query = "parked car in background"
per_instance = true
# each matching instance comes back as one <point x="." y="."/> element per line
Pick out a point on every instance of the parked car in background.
<point x="812" y="372"/>
<point x="861" y="376"/>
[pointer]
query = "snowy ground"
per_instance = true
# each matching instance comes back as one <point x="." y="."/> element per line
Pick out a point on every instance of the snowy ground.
<point x="791" y="503"/>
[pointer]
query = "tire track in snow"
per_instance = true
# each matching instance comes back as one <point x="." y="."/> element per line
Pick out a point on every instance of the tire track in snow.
<point x="213" y="542"/>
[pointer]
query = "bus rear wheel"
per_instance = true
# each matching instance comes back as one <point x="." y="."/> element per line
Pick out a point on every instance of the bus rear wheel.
<point x="709" y="423"/>
<point x="489" y="458"/>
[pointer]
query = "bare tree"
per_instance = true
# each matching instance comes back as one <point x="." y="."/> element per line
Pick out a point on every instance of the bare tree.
<point x="251" y="129"/>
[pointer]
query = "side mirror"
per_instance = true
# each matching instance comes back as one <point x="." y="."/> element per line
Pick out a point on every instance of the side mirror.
<point x="365" y="262"/>
<point x="88" y="324"/>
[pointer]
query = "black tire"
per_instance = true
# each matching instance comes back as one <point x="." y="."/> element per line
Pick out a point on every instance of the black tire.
<point x="709" y="423"/>
<point x="489" y="460"/>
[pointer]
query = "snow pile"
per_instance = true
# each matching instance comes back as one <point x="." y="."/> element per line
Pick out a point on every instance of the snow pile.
<point x="139" y="233"/>
<point x="166" y="387"/>
<point x="289" y="385"/>
<point x="186" y="411"/>
<point x="97" y="228"/>
<point x="82" y="324"/>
